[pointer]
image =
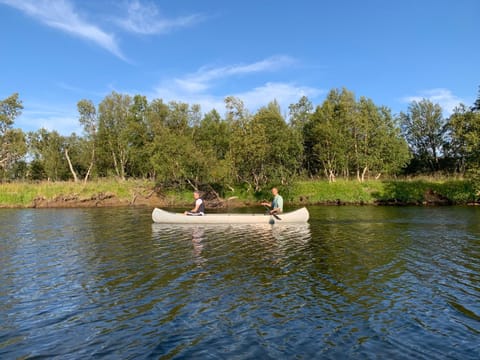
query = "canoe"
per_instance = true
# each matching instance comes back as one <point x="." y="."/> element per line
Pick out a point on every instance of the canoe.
<point x="166" y="217"/>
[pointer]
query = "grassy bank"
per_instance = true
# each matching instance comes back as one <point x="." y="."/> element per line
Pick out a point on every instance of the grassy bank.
<point x="24" y="194"/>
<point x="417" y="191"/>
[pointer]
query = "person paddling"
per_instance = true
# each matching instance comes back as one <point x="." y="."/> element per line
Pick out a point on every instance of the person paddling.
<point x="276" y="206"/>
<point x="198" y="206"/>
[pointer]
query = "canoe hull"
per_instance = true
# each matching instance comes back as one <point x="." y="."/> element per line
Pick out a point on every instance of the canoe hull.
<point x="166" y="217"/>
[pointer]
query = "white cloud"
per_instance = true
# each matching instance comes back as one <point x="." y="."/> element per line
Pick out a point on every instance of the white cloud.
<point x="205" y="76"/>
<point x="145" y="19"/>
<point x="198" y="87"/>
<point x="62" y="120"/>
<point x="284" y="93"/>
<point x="444" y="97"/>
<point x="60" y="14"/>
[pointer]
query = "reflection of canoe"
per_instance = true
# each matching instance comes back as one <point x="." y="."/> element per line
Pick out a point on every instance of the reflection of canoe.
<point x="166" y="217"/>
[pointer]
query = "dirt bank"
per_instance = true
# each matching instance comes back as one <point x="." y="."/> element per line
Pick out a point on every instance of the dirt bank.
<point x="98" y="200"/>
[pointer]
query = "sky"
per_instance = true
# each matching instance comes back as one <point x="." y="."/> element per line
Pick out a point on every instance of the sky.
<point x="54" y="53"/>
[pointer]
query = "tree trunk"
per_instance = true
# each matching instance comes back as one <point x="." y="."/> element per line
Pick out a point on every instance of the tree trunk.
<point x="115" y="163"/>
<point x="365" y="170"/>
<point x="72" y="170"/>
<point x="90" y="167"/>
<point x="331" y="176"/>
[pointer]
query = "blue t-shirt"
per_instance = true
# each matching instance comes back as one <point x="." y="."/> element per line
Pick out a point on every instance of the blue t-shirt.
<point x="277" y="202"/>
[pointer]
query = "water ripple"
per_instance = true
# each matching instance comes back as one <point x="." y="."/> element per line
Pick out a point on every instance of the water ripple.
<point x="354" y="283"/>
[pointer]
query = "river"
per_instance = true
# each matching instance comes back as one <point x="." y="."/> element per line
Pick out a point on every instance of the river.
<point x="355" y="283"/>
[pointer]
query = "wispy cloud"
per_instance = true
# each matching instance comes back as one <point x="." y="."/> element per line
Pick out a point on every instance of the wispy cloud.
<point x="146" y="19"/>
<point x="199" y="87"/>
<point x="444" y="97"/>
<point x="205" y="77"/>
<point x="61" y="15"/>
<point x="284" y="93"/>
<point x="61" y="118"/>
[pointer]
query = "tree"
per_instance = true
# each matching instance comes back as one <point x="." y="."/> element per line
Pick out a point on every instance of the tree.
<point x="176" y="156"/>
<point x="423" y="127"/>
<point x="89" y="120"/>
<point x="476" y="105"/>
<point x="345" y="137"/>
<point x="48" y="149"/>
<point x="463" y="128"/>
<point x="139" y="138"/>
<point x="378" y="145"/>
<point x="12" y="141"/>
<point x="284" y="148"/>
<point x="212" y="138"/>
<point x="300" y="112"/>
<point x="327" y="135"/>
<point x="113" y="132"/>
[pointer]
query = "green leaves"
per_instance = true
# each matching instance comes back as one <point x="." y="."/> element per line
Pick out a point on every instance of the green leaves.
<point x="345" y="137"/>
<point x="176" y="144"/>
<point x="12" y="141"/>
<point x="423" y="127"/>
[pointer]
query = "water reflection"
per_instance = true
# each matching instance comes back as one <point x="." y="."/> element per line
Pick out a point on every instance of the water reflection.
<point x="353" y="283"/>
<point x="270" y="238"/>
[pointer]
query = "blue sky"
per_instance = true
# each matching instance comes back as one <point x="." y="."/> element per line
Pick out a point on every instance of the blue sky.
<point x="55" y="53"/>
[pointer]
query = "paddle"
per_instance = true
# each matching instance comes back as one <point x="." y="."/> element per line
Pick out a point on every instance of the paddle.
<point x="274" y="215"/>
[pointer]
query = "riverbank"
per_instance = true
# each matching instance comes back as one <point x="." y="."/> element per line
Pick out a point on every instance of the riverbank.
<point x="110" y="192"/>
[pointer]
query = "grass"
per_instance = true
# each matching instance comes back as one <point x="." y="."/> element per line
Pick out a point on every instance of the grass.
<point x="24" y="193"/>
<point x="340" y="191"/>
<point x="410" y="191"/>
<point x="307" y="192"/>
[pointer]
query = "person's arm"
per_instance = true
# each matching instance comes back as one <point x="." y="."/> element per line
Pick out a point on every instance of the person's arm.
<point x="195" y="209"/>
<point x="269" y="204"/>
<point x="197" y="205"/>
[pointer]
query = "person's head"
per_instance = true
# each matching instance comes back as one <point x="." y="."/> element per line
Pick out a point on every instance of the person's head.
<point x="274" y="191"/>
<point x="196" y="194"/>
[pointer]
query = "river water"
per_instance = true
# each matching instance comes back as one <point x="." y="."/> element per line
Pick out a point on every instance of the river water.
<point x="354" y="283"/>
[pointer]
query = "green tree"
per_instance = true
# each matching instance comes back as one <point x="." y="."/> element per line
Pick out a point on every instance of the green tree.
<point x="175" y="157"/>
<point x="327" y="135"/>
<point x="89" y="120"/>
<point x="78" y="152"/>
<point x="378" y="145"/>
<point x="139" y="138"/>
<point x="423" y="126"/>
<point x="476" y="105"/>
<point x="283" y="148"/>
<point x="212" y="137"/>
<point x="114" y="133"/>
<point x="248" y="145"/>
<point x="464" y="132"/>
<point x="345" y="137"/>
<point x="12" y="141"/>
<point x="48" y="150"/>
<point x="300" y="112"/>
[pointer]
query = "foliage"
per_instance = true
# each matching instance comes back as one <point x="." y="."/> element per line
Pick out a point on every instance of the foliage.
<point x="346" y="137"/>
<point x="177" y="146"/>
<point x="13" y="146"/>
<point x="423" y="127"/>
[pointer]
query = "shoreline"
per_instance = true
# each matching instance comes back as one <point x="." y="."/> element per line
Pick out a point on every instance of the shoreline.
<point x="110" y="200"/>
<point x="131" y="193"/>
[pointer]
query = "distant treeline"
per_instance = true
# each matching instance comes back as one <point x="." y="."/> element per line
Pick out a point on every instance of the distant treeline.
<point x="175" y="144"/>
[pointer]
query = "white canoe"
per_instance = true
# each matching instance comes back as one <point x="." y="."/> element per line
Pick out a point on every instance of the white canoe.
<point x="166" y="217"/>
